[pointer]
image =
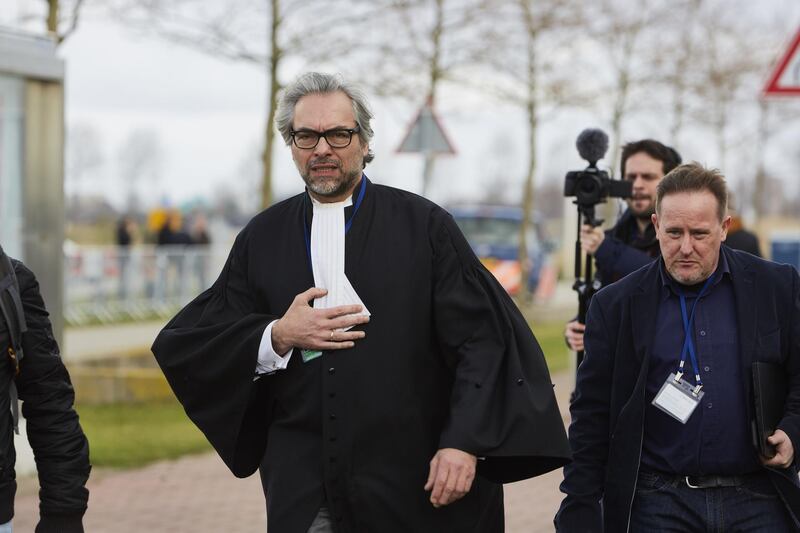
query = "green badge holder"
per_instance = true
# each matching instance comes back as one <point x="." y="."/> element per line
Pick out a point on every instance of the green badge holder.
<point x="310" y="355"/>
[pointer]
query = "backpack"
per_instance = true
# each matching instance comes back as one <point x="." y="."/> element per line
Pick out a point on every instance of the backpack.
<point x="14" y="316"/>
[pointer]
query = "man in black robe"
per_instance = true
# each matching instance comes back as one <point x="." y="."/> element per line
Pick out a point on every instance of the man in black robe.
<point x="370" y="367"/>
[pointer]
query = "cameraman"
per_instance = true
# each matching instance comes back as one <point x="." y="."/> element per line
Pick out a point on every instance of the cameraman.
<point x="631" y="243"/>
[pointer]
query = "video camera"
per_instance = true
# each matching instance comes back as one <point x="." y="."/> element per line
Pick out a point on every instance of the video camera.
<point x="592" y="186"/>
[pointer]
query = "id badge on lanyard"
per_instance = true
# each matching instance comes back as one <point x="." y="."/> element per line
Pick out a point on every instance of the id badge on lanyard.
<point x="677" y="397"/>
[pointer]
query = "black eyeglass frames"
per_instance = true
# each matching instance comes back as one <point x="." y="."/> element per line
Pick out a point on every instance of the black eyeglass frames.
<point x="336" y="138"/>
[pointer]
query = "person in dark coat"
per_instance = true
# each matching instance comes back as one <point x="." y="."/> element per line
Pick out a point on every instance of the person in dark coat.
<point x="172" y="232"/>
<point x="126" y="230"/>
<point x="643" y="463"/>
<point x="739" y="238"/>
<point x="631" y="243"/>
<point x="742" y="239"/>
<point x="356" y="351"/>
<point x="43" y="384"/>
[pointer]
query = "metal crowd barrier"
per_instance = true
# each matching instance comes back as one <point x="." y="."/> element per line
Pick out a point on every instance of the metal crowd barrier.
<point x="104" y="284"/>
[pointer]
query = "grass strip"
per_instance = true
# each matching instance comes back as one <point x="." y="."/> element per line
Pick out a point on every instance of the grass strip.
<point x="131" y="435"/>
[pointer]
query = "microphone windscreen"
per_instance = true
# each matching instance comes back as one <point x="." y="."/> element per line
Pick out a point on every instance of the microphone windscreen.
<point x="592" y="144"/>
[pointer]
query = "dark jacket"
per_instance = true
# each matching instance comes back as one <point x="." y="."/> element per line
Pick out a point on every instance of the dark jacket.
<point x="59" y="445"/>
<point x="741" y="239"/>
<point x="623" y="250"/>
<point x="608" y="410"/>
<point x="448" y="361"/>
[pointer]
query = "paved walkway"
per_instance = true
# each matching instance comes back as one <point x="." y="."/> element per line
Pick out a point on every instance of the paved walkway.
<point x="198" y="494"/>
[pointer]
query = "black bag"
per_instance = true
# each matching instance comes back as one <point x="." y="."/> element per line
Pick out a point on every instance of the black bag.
<point x="14" y="316"/>
<point x="769" y="394"/>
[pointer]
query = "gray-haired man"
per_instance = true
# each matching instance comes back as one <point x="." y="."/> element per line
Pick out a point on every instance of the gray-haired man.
<point x="356" y="351"/>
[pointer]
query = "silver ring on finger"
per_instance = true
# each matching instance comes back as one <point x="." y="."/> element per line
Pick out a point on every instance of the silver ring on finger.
<point x="331" y="338"/>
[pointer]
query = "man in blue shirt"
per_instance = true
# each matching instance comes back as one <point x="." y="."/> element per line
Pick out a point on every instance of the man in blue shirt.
<point x="661" y="419"/>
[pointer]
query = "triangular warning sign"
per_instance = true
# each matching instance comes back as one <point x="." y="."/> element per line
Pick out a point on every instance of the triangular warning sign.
<point x="426" y="135"/>
<point x="785" y="80"/>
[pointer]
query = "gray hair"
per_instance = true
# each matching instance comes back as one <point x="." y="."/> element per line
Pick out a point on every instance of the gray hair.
<point x="319" y="83"/>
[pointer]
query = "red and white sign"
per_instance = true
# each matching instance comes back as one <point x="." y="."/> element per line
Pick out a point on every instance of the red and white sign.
<point x="785" y="80"/>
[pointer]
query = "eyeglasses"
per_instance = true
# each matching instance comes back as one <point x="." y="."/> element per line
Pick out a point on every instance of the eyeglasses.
<point x="336" y="138"/>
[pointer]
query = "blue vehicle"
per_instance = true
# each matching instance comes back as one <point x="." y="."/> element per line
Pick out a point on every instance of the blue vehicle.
<point x="493" y="234"/>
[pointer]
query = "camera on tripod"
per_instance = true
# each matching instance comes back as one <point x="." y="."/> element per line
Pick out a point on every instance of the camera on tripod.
<point x="592" y="186"/>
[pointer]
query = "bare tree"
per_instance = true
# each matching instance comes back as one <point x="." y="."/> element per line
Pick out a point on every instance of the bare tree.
<point x="415" y="46"/>
<point x="263" y="34"/>
<point x="625" y="32"/>
<point x="712" y="57"/>
<point x="536" y="79"/>
<point x="57" y="24"/>
<point x="726" y="62"/>
<point x="60" y="17"/>
<point x="678" y="58"/>
<point x="733" y="61"/>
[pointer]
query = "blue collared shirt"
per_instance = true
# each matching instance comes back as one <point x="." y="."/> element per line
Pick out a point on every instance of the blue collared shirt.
<point x="716" y="438"/>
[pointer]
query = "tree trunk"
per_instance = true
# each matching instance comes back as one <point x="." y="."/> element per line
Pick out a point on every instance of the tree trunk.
<point x="274" y="87"/>
<point x="681" y="67"/>
<point x="623" y="84"/>
<point x="527" y="192"/>
<point x="52" y="17"/>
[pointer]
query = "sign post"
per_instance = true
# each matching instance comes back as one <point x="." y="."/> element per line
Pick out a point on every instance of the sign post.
<point x="426" y="136"/>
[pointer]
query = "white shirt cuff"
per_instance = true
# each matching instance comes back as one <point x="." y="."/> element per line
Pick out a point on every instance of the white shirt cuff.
<point x="268" y="360"/>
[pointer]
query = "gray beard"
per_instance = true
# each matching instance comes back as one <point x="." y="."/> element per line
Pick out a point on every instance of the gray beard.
<point x="328" y="188"/>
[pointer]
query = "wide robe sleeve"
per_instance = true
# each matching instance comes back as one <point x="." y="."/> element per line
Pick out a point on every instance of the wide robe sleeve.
<point x="503" y="408"/>
<point x="208" y="353"/>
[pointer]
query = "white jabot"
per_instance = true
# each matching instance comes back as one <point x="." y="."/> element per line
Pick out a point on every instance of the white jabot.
<point x="327" y="262"/>
<point x="327" y="256"/>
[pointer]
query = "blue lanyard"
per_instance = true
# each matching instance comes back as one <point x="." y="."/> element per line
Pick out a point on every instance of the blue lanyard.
<point x="688" y="344"/>
<point x="307" y="233"/>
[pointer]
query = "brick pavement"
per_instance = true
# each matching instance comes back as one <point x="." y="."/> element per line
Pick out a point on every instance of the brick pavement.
<point x="159" y="498"/>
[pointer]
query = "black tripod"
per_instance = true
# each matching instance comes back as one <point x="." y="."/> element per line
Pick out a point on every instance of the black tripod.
<point x="584" y="285"/>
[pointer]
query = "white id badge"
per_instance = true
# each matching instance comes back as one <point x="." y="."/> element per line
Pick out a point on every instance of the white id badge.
<point x="677" y="398"/>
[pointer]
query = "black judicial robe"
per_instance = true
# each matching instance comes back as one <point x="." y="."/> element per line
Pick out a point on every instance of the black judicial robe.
<point x="447" y="362"/>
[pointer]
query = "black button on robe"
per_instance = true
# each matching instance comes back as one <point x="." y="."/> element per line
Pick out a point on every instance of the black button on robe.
<point x="447" y="361"/>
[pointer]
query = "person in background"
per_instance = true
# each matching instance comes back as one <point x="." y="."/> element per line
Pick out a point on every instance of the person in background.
<point x="200" y="238"/>
<point x="740" y="238"/>
<point x="172" y="232"/>
<point x="199" y="232"/>
<point x="126" y="232"/>
<point x="631" y="243"/>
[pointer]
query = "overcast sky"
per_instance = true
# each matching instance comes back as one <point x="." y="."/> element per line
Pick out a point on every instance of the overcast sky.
<point x="208" y="116"/>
